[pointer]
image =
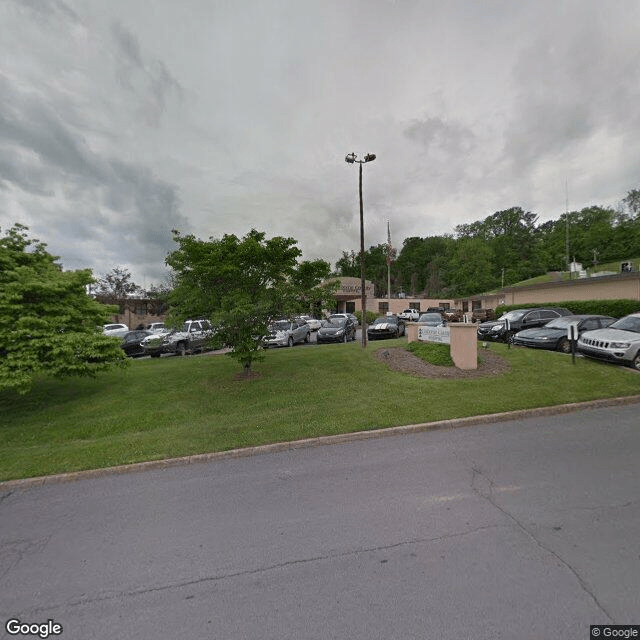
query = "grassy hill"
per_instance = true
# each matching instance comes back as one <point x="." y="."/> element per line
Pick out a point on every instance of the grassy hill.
<point x="556" y="276"/>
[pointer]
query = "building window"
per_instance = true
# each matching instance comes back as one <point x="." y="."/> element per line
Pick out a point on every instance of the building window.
<point x="445" y="305"/>
<point x="476" y="305"/>
<point x="383" y="307"/>
<point x="414" y="305"/>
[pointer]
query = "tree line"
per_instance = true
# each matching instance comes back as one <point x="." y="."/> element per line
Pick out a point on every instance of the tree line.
<point x="505" y="248"/>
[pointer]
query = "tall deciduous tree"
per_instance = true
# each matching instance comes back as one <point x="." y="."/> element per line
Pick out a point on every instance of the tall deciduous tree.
<point x="241" y="285"/>
<point x="48" y="323"/>
<point x="117" y="284"/>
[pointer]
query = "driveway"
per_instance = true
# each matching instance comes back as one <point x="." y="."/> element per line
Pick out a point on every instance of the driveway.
<point x="523" y="529"/>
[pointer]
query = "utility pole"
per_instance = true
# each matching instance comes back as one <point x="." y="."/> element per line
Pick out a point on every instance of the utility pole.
<point x="351" y="158"/>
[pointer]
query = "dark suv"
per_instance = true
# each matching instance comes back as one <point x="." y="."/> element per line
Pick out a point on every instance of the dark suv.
<point x="517" y="320"/>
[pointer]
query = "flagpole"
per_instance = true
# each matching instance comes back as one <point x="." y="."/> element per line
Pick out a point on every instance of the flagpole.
<point x="389" y="265"/>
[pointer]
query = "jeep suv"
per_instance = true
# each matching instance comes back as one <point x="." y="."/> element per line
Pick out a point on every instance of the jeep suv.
<point x="619" y="342"/>
<point x="517" y="320"/>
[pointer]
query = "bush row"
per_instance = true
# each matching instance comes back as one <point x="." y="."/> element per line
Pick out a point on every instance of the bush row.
<point x="613" y="308"/>
<point x="371" y="316"/>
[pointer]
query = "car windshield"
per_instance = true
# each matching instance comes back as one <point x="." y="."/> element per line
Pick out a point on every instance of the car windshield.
<point x="560" y="323"/>
<point x="385" y="320"/>
<point x="281" y="325"/>
<point x="430" y="317"/>
<point x="334" y="322"/>
<point x="513" y="315"/>
<point x="630" y="323"/>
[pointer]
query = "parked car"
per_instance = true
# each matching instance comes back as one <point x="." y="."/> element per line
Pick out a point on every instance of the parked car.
<point x="314" y="323"/>
<point x="389" y="326"/>
<point x="619" y="342"/>
<point x="336" y="329"/>
<point x="131" y="342"/>
<point x="115" y="329"/>
<point x="410" y="314"/>
<point x="153" y="344"/>
<point x="518" y="319"/>
<point x="554" y="334"/>
<point x="194" y="336"/>
<point x="286" y="333"/>
<point x="434" y="319"/>
<point x="156" y="327"/>
<point x="353" y="318"/>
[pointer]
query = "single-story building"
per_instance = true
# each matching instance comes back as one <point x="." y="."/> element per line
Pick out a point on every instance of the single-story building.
<point x="624" y="285"/>
<point x="348" y="299"/>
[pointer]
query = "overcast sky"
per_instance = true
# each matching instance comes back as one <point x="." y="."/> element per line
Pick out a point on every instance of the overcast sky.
<point x="123" y="119"/>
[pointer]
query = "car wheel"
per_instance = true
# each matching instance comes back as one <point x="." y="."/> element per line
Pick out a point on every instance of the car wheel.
<point x="181" y="349"/>
<point x="564" y="345"/>
<point x="635" y="363"/>
<point x="290" y="342"/>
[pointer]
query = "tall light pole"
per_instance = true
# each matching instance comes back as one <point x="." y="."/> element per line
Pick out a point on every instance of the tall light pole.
<point x="351" y="158"/>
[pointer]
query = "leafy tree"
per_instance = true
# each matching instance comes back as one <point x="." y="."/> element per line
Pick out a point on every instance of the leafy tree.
<point x="423" y="264"/>
<point x="48" y="323"/>
<point x="117" y="284"/>
<point x="242" y="285"/>
<point x="510" y="234"/>
<point x="632" y="201"/>
<point x="348" y="265"/>
<point x="375" y="266"/>
<point x="470" y="267"/>
<point x="157" y="298"/>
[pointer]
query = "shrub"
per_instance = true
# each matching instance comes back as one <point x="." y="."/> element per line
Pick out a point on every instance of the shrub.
<point x="371" y="316"/>
<point x="432" y="352"/>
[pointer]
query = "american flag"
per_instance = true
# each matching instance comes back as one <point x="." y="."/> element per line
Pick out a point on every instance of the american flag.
<point x="391" y="252"/>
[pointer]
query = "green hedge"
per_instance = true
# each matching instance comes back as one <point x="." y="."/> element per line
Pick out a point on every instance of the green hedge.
<point x="371" y="316"/>
<point x="613" y="308"/>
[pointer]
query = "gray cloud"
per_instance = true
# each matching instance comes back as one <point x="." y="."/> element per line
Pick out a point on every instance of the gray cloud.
<point x="441" y="137"/>
<point x="118" y="123"/>
<point x="150" y="81"/>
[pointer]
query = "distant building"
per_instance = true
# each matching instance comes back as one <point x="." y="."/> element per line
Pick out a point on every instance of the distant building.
<point x="135" y="311"/>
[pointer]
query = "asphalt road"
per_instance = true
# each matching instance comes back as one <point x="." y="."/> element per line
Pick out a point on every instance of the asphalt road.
<point x="526" y="529"/>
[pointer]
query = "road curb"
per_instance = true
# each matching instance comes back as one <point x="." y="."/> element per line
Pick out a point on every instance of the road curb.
<point x="439" y="425"/>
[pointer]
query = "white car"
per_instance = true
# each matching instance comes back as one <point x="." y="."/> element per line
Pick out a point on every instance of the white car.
<point x="410" y="314"/>
<point x="117" y="329"/>
<point x="619" y="342"/>
<point x="314" y="323"/>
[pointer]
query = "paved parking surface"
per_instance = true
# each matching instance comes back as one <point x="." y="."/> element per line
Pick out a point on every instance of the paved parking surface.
<point x="524" y="529"/>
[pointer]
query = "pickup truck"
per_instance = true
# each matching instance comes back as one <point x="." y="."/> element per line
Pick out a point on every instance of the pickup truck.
<point x="191" y="338"/>
<point x="409" y="314"/>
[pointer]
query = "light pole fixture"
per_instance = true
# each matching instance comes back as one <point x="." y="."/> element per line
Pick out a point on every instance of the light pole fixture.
<point x="352" y="158"/>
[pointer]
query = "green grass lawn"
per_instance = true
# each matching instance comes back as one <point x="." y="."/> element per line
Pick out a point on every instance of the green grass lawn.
<point x="179" y="406"/>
